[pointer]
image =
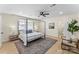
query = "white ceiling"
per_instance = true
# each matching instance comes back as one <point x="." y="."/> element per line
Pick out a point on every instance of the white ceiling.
<point x="32" y="10"/>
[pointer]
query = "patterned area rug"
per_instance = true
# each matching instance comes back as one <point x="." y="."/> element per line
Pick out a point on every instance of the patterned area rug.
<point x="39" y="46"/>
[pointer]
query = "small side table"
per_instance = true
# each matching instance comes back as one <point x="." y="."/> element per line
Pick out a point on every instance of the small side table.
<point x="73" y="47"/>
<point x="13" y="37"/>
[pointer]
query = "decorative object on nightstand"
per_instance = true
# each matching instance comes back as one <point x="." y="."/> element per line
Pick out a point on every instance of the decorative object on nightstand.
<point x="71" y="44"/>
<point x="72" y="28"/>
<point x="13" y="37"/>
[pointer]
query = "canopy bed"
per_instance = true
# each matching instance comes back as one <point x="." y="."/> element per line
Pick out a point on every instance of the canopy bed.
<point x="30" y="29"/>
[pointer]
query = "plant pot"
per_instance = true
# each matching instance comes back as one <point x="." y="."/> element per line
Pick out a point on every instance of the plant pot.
<point x="72" y="38"/>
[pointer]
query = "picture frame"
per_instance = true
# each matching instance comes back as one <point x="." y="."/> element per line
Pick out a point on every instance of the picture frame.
<point x="51" y="25"/>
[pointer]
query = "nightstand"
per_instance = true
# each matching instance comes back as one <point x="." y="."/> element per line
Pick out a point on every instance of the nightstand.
<point x="73" y="47"/>
<point x="13" y="37"/>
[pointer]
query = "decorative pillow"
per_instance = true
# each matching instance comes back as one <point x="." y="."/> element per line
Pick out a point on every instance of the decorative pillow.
<point x="28" y="31"/>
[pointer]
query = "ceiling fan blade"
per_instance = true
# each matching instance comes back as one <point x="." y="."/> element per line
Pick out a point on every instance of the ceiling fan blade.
<point x="46" y="13"/>
<point x="52" y="5"/>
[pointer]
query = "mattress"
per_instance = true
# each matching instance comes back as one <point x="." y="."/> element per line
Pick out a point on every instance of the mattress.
<point x="34" y="34"/>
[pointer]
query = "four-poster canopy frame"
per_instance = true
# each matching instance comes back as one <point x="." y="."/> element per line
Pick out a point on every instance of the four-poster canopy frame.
<point x="33" y="26"/>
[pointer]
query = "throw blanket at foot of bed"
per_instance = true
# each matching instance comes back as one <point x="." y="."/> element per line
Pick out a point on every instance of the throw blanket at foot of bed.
<point x="40" y="46"/>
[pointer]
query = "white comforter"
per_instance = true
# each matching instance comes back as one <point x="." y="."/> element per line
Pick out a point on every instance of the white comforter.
<point x="30" y="36"/>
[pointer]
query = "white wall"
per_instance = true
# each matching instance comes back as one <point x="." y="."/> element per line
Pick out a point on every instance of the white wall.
<point x="1" y="35"/>
<point x="9" y="25"/>
<point x="60" y="24"/>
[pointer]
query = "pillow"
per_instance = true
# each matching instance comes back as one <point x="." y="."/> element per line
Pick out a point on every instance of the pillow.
<point x="28" y="31"/>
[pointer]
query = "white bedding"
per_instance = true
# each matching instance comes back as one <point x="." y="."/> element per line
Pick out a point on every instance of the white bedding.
<point x="34" y="34"/>
<point x="31" y="36"/>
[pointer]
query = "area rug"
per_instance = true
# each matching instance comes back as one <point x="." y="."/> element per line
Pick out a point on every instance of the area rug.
<point x="39" y="46"/>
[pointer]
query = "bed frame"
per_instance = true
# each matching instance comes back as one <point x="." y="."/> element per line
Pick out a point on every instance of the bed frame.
<point x="33" y="26"/>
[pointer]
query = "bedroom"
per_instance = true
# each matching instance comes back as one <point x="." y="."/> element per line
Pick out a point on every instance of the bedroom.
<point x="50" y="26"/>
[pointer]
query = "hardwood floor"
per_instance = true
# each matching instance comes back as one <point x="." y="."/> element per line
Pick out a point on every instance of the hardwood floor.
<point x="10" y="48"/>
<point x="56" y="48"/>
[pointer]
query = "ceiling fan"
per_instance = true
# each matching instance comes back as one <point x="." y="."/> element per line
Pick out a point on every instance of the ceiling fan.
<point x="45" y="13"/>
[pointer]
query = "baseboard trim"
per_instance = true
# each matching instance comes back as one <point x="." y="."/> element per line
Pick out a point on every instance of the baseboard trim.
<point x="54" y="37"/>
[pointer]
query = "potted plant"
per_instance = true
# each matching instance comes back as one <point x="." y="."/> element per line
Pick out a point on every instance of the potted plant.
<point x="73" y="27"/>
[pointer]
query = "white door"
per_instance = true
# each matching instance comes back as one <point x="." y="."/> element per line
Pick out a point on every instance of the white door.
<point x="1" y="31"/>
